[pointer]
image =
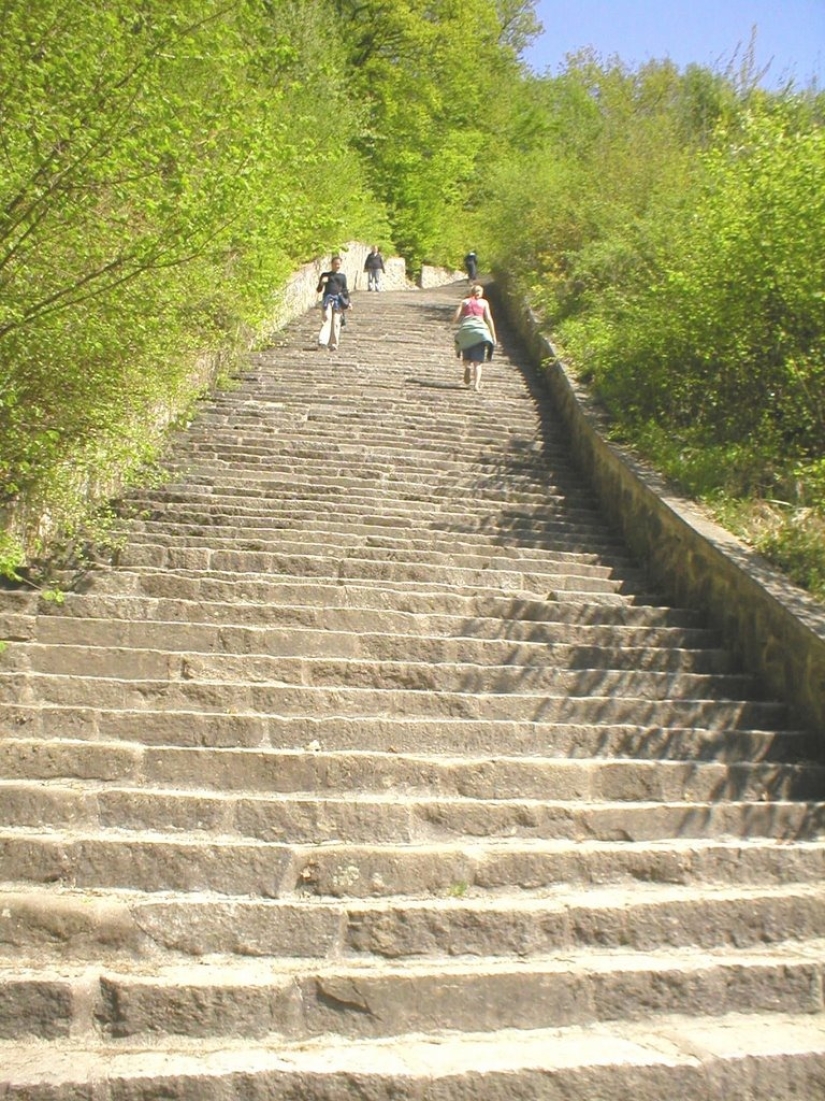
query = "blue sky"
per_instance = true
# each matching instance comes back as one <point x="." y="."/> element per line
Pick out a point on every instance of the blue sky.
<point x="790" y="34"/>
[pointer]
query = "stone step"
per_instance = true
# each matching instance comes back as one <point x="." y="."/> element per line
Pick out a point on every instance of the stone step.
<point x="312" y="545"/>
<point x="280" y="468"/>
<point x="524" y="457"/>
<point x="513" y="523"/>
<point x="97" y="729"/>
<point x="272" y="498"/>
<point x="133" y="850"/>
<point x="558" y="533"/>
<point x="285" y="476"/>
<point x="232" y="654"/>
<point x="305" y="602"/>
<point x="553" y="537"/>
<point x="354" y="415"/>
<point x="155" y="526"/>
<point x="230" y="1000"/>
<point x="733" y="1057"/>
<point x="302" y="419"/>
<point x="156" y="923"/>
<point x="529" y="575"/>
<point x="458" y="868"/>
<point x="352" y="631"/>
<point x="400" y="592"/>
<point x="251" y="500"/>
<point x="407" y="776"/>
<point x="661" y="707"/>
<point x="464" y="869"/>
<point x="132" y="678"/>
<point x="463" y="492"/>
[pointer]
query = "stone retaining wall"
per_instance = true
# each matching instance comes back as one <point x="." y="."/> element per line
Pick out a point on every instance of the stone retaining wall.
<point x="300" y="295"/>
<point x="438" y="277"/>
<point x="775" y="629"/>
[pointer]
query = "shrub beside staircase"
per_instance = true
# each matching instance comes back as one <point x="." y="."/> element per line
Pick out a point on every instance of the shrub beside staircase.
<point x="372" y="768"/>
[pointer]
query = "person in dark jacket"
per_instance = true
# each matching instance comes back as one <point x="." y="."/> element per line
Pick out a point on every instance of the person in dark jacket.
<point x="471" y="264"/>
<point x="333" y="286"/>
<point x="373" y="265"/>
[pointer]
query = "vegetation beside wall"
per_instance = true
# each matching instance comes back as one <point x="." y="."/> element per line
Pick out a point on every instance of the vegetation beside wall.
<point x="673" y="238"/>
<point x="165" y="167"/>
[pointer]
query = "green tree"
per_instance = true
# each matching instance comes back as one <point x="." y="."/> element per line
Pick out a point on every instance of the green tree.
<point x="164" y="167"/>
<point x="431" y="73"/>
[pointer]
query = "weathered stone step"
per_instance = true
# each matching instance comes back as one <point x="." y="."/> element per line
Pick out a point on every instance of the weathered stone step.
<point x="196" y="466"/>
<point x="669" y="699"/>
<point x="438" y="550"/>
<point x="645" y="920"/>
<point x="407" y="776"/>
<point x="39" y="923"/>
<point x="71" y="674"/>
<point x="527" y="519"/>
<point x="621" y="805"/>
<point x="352" y="631"/>
<point x="94" y="728"/>
<point x="756" y="1057"/>
<point x="526" y="660"/>
<point x="225" y="999"/>
<point x="553" y="535"/>
<point x="528" y="440"/>
<point x="146" y="859"/>
<point x="367" y="465"/>
<point x="464" y="869"/>
<point x="331" y="532"/>
<point x="314" y="545"/>
<point x="376" y="404"/>
<point x="228" y="512"/>
<point x="530" y="444"/>
<point x="534" y="575"/>
<point x="285" y="475"/>
<point x="358" y="416"/>
<point x="301" y="395"/>
<point x="398" y="592"/>
<point x="273" y="496"/>
<point x="305" y="602"/>
<point x="525" y="453"/>
<point x="408" y="497"/>
<point x="278" y="500"/>
<point x="473" y="492"/>
<point x="494" y="866"/>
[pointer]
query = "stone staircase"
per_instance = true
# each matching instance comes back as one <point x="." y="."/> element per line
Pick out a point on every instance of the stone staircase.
<point x="371" y="768"/>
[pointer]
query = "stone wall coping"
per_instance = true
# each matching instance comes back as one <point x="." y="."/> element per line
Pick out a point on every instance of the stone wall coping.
<point x="775" y="629"/>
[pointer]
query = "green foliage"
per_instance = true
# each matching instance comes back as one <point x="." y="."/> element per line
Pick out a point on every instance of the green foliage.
<point x="433" y="75"/>
<point x="671" y="228"/>
<point x="12" y="557"/>
<point x="164" y="169"/>
<point x="722" y="331"/>
<point x="53" y="596"/>
<point x="797" y="546"/>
